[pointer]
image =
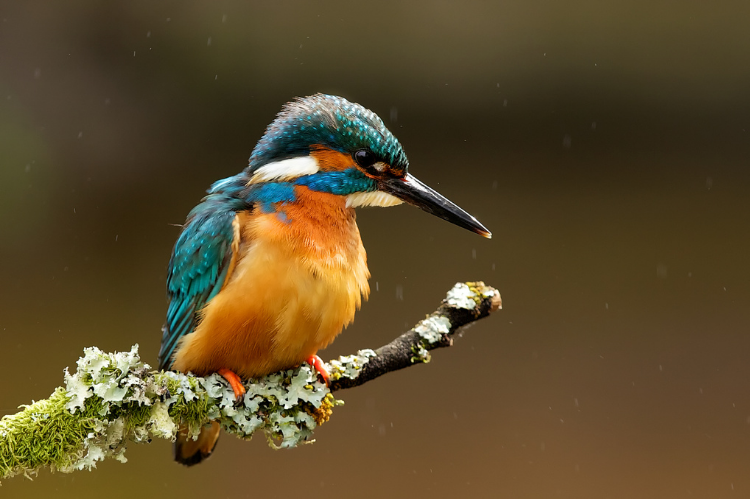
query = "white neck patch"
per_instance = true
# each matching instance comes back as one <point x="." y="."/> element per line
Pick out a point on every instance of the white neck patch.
<point x="286" y="169"/>
<point x="375" y="198"/>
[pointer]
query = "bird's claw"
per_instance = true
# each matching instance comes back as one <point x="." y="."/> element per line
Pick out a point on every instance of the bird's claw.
<point x="235" y="382"/>
<point x="320" y="366"/>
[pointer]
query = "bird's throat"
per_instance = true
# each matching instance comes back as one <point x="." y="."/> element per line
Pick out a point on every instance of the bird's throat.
<point x="319" y="225"/>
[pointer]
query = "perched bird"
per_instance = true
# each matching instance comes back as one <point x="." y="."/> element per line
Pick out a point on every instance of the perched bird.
<point x="270" y="267"/>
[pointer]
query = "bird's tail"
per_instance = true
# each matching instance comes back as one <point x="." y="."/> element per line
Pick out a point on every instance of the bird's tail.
<point x="189" y="452"/>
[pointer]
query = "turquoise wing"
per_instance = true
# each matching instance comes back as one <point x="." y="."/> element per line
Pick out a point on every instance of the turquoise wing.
<point x="197" y="270"/>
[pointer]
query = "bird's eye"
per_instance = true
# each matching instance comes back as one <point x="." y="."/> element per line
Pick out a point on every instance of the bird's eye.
<point x="365" y="158"/>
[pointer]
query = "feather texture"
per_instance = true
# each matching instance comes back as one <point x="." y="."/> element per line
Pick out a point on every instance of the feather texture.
<point x="201" y="260"/>
<point x="296" y="284"/>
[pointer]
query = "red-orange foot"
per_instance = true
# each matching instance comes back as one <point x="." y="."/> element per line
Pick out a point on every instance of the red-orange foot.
<point x="318" y="364"/>
<point x="234" y="381"/>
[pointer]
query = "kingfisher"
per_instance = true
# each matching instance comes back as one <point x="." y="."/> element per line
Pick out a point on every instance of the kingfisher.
<point x="269" y="267"/>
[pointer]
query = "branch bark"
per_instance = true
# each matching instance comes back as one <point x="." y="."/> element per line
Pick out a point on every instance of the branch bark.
<point x="115" y="398"/>
<point x="464" y="304"/>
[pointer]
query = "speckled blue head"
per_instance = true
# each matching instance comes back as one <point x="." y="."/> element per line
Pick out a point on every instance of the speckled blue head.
<point x="329" y="121"/>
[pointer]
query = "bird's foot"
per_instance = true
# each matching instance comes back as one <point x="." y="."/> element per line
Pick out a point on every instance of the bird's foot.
<point x="235" y="382"/>
<point x="318" y="364"/>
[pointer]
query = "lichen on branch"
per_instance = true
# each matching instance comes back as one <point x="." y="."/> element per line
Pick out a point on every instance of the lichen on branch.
<point x="114" y="398"/>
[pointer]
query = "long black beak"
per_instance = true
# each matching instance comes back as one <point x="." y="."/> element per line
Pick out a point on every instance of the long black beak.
<point x="414" y="192"/>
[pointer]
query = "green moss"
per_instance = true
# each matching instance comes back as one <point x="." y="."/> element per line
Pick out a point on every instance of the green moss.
<point x="43" y="434"/>
<point x="115" y="398"/>
<point x="135" y="415"/>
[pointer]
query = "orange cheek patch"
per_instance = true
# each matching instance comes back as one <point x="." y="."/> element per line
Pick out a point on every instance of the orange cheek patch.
<point x="330" y="160"/>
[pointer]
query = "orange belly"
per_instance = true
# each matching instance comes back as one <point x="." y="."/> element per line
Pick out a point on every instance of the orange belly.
<point x="290" y="294"/>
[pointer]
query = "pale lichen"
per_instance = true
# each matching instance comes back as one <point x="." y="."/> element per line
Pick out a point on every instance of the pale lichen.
<point x="420" y="354"/>
<point x="431" y="331"/>
<point x="116" y="398"/>
<point x="278" y="404"/>
<point x="433" y="328"/>
<point x="349" y="366"/>
<point x="467" y="295"/>
<point x="461" y="296"/>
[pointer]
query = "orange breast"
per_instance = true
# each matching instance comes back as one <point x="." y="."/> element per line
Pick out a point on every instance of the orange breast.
<point x="298" y="279"/>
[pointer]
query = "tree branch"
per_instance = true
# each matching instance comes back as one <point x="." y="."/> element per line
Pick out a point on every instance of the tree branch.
<point x="465" y="303"/>
<point x="116" y="398"/>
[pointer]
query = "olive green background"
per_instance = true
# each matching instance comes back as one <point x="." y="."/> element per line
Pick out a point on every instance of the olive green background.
<point x="605" y="144"/>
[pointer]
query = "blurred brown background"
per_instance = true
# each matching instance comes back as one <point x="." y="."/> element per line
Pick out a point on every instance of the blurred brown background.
<point x="605" y="144"/>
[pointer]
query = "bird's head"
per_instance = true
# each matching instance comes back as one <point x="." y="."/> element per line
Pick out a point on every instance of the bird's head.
<point x="331" y="145"/>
